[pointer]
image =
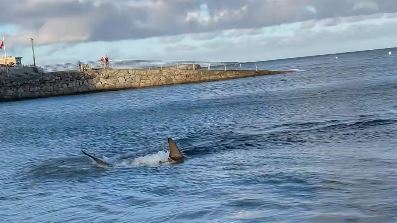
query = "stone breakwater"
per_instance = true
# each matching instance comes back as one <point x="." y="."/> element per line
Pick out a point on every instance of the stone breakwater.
<point x="24" y="85"/>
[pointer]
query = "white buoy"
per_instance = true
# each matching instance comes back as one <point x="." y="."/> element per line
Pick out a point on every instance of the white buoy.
<point x="389" y="53"/>
<point x="336" y="58"/>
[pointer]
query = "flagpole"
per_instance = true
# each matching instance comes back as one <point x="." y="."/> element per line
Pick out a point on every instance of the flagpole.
<point x="34" y="58"/>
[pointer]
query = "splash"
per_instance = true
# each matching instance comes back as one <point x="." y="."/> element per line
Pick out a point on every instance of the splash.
<point x="296" y="70"/>
<point x="149" y="160"/>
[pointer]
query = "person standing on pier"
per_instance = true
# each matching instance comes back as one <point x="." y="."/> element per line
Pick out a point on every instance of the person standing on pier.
<point x="104" y="61"/>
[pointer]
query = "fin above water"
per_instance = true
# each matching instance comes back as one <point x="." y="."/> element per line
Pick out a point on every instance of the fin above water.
<point x="99" y="162"/>
<point x="175" y="154"/>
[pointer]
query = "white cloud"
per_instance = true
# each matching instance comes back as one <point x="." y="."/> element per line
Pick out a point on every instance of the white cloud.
<point x="306" y="38"/>
<point x="311" y="9"/>
<point x="135" y="19"/>
<point x="366" y="5"/>
<point x="67" y="30"/>
<point x="197" y="29"/>
<point x="201" y="15"/>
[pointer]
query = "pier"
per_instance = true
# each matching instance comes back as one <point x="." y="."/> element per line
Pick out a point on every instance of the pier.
<point x="36" y="84"/>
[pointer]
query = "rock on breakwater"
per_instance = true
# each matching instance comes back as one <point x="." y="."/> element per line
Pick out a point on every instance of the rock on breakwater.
<point x="24" y="85"/>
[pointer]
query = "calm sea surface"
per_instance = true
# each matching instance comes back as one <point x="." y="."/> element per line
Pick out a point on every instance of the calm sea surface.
<point x="317" y="145"/>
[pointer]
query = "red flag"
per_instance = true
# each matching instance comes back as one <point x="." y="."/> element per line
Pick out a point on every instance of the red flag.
<point x="2" y="44"/>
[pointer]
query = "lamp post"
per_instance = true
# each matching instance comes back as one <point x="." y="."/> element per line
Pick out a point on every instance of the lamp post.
<point x="34" y="58"/>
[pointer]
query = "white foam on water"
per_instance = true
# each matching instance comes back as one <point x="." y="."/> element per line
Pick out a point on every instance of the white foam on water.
<point x="246" y="215"/>
<point x="107" y="159"/>
<point x="296" y="70"/>
<point x="149" y="160"/>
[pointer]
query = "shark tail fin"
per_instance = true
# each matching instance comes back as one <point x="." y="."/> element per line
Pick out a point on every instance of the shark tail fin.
<point x="98" y="161"/>
<point x="175" y="153"/>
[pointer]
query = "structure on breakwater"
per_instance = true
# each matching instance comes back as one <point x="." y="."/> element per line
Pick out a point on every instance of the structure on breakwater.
<point x="23" y="85"/>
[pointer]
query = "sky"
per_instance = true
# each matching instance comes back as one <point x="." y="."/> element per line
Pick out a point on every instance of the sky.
<point x="200" y="30"/>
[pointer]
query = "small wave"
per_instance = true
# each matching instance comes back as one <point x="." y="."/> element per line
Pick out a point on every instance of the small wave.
<point x="336" y="124"/>
<point x="61" y="169"/>
<point x="246" y="215"/>
<point x="296" y="70"/>
<point x="149" y="160"/>
<point x="359" y="124"/>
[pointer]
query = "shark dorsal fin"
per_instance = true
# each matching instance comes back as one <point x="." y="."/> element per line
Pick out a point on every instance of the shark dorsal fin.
<point x="98" y="161"/>
<point x="175" y="153"/>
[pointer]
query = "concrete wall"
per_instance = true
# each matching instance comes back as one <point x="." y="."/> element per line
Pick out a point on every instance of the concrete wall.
<point x="33" y="85"/>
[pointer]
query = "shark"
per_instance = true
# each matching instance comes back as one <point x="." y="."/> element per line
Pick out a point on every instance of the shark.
<point x="175" y="155"/>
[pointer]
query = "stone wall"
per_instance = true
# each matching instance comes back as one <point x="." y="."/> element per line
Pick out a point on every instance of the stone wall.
<point x="15" y="86"/>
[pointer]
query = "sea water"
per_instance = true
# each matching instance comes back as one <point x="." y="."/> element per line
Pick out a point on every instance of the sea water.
<point x="315" y="145"/>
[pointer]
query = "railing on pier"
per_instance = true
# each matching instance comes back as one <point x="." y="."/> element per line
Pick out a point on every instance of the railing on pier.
<point x="156" y="65"/>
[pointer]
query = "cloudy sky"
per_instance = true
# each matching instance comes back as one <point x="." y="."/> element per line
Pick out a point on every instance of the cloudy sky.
<point x="205" y="30"/>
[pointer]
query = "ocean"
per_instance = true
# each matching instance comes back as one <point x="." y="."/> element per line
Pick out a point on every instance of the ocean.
<point x="315" y="145"/>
